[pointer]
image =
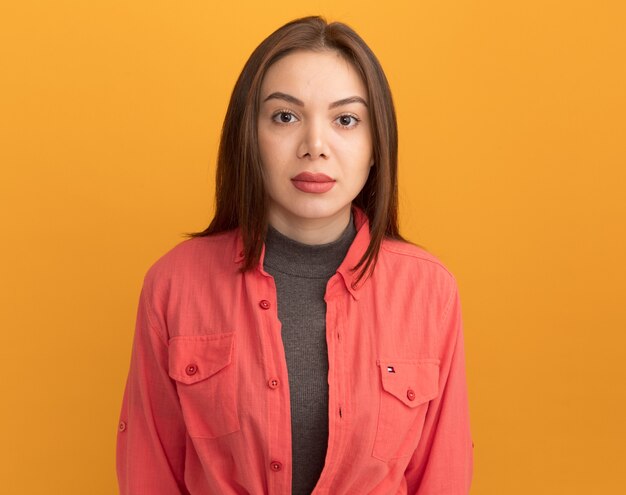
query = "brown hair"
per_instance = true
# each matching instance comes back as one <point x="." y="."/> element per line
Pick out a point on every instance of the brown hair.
<point x="241" y="199"/>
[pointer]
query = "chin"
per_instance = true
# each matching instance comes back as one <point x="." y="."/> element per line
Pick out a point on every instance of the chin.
<point x="316" y="211"/>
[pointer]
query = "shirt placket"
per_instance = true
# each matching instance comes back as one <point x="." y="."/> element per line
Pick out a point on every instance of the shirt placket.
<point x="337" y="397"/>
<point x="278" y="414"/>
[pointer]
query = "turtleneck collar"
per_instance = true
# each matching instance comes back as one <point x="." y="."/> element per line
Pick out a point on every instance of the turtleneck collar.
<point x="307" y="260"/>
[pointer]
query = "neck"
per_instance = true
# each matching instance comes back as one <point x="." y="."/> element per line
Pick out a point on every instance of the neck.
<point x="291" y="257"/>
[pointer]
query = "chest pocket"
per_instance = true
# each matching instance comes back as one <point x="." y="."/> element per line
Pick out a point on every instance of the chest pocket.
<point x="206" y="380"/>
<point x="407" y="385"/>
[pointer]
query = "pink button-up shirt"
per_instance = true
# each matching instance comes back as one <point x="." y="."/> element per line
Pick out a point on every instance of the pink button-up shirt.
<point x="206" y="406"/>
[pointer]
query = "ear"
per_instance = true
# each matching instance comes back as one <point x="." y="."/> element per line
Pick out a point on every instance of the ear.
<point x="372" y="162"/>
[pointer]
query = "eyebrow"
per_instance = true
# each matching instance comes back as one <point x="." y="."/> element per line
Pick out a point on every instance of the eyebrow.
<point x="277" y="95"/>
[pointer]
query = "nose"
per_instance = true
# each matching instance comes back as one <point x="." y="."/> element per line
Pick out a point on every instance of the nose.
<point x="313" y="141"/>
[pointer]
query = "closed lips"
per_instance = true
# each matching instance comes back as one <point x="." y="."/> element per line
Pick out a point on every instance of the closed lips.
<point x="310" y="177"/>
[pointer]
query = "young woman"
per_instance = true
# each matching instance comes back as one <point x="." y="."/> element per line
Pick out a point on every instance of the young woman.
<point x="299" y="344"/>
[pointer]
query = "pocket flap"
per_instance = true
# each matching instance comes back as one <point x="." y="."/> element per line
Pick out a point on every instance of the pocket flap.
<point x="194" y="358"/>
<point x="413" y="381"/>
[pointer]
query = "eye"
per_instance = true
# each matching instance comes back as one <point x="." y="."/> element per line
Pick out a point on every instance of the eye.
<point x="284" y="117"/>
<point x="344" y="120"/>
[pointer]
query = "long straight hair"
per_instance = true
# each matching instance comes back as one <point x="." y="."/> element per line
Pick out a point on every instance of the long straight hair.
<point x="240" y="197"/>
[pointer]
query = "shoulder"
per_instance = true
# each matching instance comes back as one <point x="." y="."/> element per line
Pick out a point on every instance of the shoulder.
<point x="408" y="252"/>
<point x="416" y="264"/>
<point x="191" y="259"/>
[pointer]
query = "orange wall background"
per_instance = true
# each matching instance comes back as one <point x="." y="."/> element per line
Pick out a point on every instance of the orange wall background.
<point x="512" y="170"/>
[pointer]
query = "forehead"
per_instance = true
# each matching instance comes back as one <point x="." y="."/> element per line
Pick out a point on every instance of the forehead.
<point x="306" y="73"/>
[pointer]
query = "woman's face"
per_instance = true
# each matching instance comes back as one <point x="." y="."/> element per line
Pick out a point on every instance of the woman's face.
<point x="313" y="119"/>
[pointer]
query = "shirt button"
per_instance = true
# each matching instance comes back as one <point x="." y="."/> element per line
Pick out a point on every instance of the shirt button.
<point x="191" y="369"/>
<point x="410" y="394"/>
<point x="122" y="425"/>
<point x="265" y="304"/>
<point x="273" y="382"/>
<point x="276" y="466"/>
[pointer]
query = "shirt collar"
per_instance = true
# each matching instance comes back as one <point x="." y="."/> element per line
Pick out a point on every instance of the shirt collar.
<point x="355" y="252"/>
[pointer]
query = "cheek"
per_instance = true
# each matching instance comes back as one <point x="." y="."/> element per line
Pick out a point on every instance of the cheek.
<point x="270" y="161"/>
<point x="358" y="163"/>
<point x="363" y="172"/>
<point x="271" y="146"/>
<point x="264" y="145"/>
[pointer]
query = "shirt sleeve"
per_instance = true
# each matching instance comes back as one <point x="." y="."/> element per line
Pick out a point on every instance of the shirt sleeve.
<point x="442" y="463"/>
<point x="151" y="432"/>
